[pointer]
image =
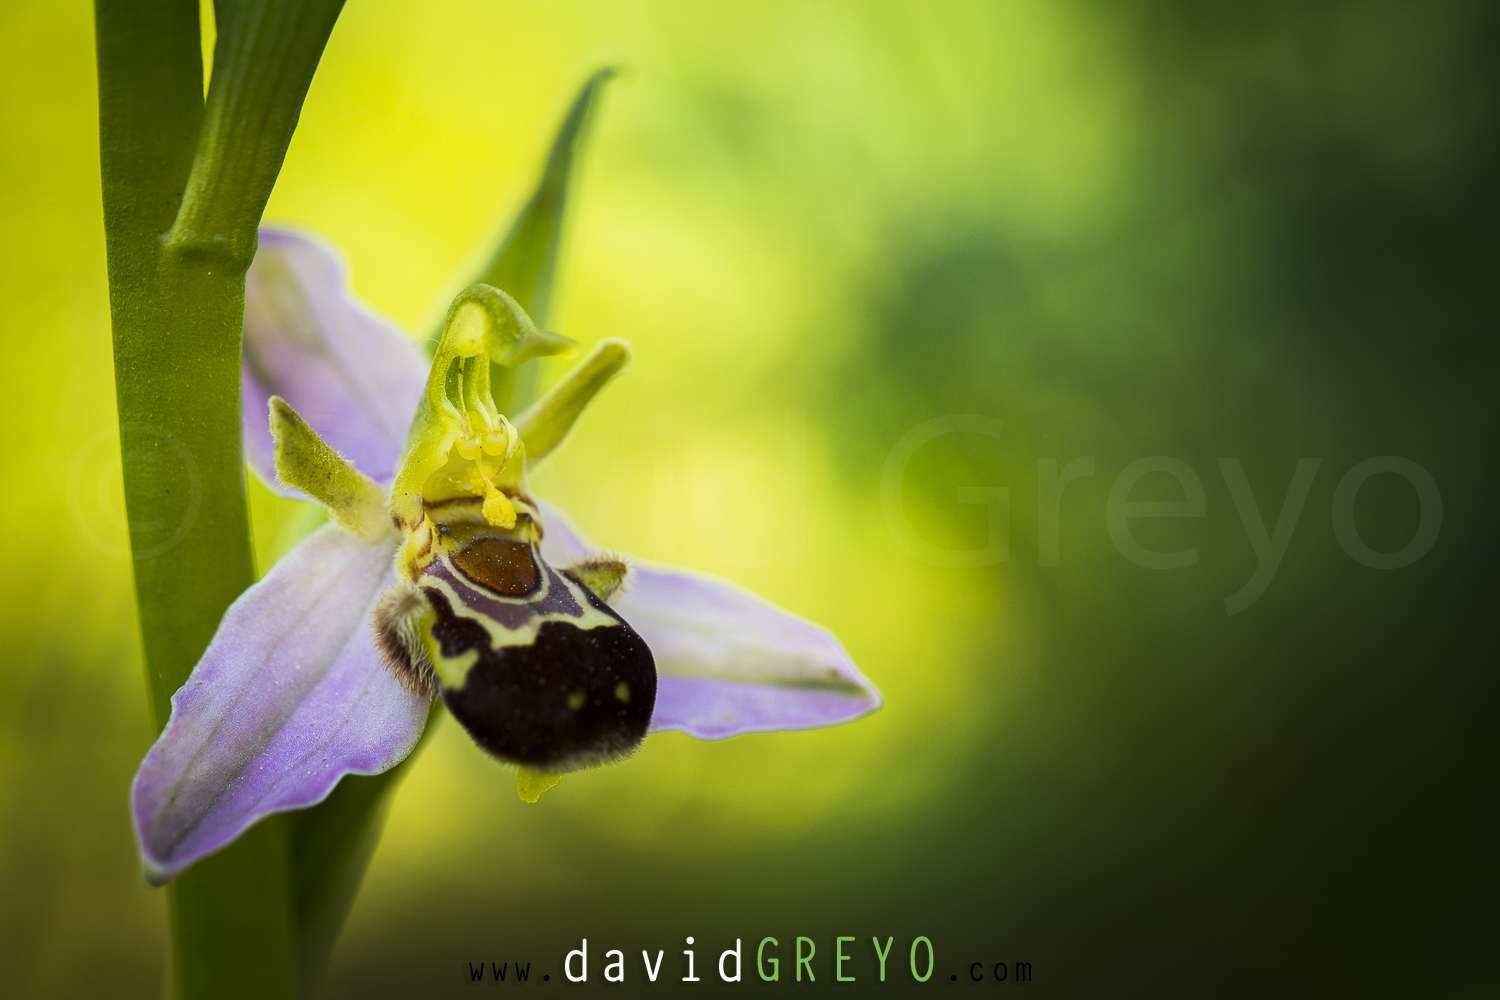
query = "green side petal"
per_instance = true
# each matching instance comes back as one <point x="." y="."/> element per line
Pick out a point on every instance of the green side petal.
<point x="305" y="462"/>
<point x="544" y="426"/>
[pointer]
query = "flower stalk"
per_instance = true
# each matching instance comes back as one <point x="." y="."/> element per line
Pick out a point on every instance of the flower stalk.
<point x="184" y="186"/>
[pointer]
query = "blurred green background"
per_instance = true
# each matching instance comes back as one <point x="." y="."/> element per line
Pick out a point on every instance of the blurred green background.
<point x="1257" y="231"/>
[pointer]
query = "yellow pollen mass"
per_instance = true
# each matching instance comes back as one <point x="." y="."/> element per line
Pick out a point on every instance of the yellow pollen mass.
<point x="497" y="508"/>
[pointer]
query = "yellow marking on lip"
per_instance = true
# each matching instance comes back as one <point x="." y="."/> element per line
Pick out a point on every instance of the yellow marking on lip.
<point x="531" y="784"/>
<point x="452" y="672"/>
<point x="622" y="691"/>
<point x="577" y="698"/>
<point x="500" y="636"/>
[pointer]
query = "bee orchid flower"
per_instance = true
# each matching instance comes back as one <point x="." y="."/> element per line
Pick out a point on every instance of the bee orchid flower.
<point x="441" y="577"/>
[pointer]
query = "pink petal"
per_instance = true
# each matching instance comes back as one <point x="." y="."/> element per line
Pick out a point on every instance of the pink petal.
<point x="289" y="697"/>
<point x="352" y="374"/>
<point x="728" y="662"/>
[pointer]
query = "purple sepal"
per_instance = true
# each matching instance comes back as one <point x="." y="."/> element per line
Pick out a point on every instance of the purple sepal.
<point x="352" y="374"/>
<point x="712" y="709"/>
<point x="289" y="697"/>
<point x="728" y="662"/>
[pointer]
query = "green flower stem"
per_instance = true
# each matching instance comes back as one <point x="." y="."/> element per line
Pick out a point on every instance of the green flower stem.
<point x="233" y="921"/>
<point x="183" y="194"/>
<point x="331" y="846"/>
<point x="176" y="352"/>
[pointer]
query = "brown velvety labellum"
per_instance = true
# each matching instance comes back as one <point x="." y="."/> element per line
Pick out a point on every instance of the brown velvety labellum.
<point x="572" y="698"/>
<point x="504" y="565"/>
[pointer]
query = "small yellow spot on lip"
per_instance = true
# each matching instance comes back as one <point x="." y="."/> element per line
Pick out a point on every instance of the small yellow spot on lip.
<point x="531" y="784"/>
<point x="622" y="691"/>
<point x="577" y="698"/>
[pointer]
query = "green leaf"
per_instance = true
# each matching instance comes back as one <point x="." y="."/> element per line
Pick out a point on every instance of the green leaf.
<point x="264" y="57"/>
<point x="524" y="265"/>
